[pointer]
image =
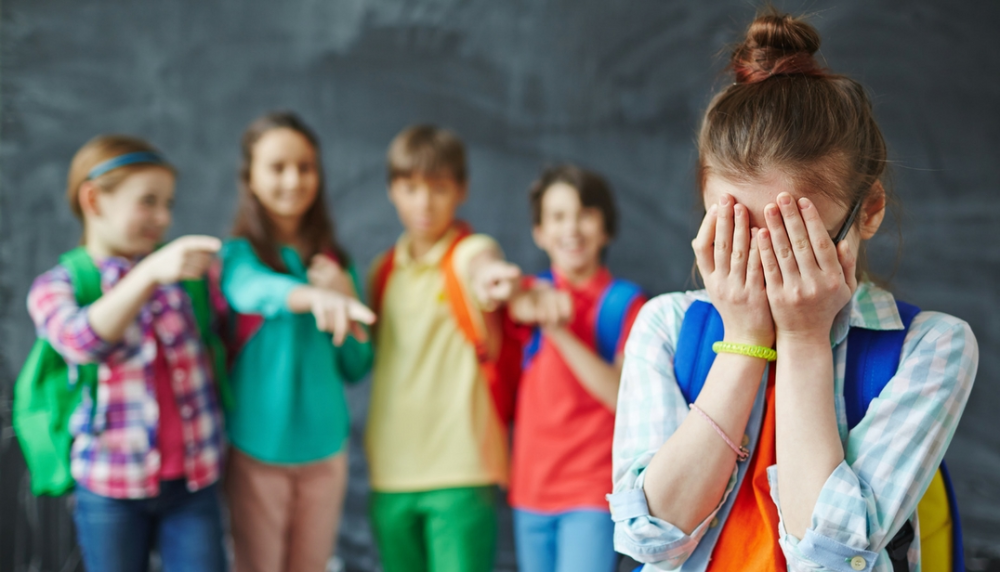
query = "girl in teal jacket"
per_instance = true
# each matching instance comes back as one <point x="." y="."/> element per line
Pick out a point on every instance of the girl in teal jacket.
<point x="292" y="286"/>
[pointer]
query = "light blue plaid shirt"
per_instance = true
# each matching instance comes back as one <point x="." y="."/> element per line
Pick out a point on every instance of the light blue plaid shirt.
<point x="891" y="455"/>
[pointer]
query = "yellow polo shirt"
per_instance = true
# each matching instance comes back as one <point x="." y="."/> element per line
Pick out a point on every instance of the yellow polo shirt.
<point x="431" y="421"/>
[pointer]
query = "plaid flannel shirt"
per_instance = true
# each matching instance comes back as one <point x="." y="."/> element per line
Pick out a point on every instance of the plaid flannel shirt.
<point x="114" y="450"/>
<point x="890" y="456"/>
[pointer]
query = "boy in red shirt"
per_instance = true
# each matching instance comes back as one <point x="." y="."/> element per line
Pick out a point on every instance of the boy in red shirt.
<point x="565" y="419"/>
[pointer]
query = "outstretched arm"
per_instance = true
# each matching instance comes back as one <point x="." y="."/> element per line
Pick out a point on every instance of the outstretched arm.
<point x="187" y="257"/>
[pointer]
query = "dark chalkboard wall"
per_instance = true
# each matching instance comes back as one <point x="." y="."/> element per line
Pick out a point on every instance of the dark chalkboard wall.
<point x="616" y="86"/>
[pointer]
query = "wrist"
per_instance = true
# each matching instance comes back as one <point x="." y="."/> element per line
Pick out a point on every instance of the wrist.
<point x="144" y="274"/>
<point x="762" y="340"/>
<point x="798" y="339"/>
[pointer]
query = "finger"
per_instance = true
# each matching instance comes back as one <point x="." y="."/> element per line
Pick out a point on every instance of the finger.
<point x="849" y="262"/>
<point x="359" y="332"/>
<point x="200" y="258"/>
<point x="544" y="310"/>
<point x="341" y="325"/>
<point x="506" y="271"/>
<point x="502" y="290"/>
<point x="778" y="242"/>
<point x="702" y="243"/>
<point x="724" y="234"/>
<point x="565" y="308"/>
<point x="741" y="241"/>
<point x="199" y="242"/>
<point x="755" y="272"/>
<point x="823" y="247"/>
<point x="320" y="314"/>
<point x="191" y="271"/>
<point x="798" y="236"/>
<point x="358" y="312"/>
<point x="768" y="260"/>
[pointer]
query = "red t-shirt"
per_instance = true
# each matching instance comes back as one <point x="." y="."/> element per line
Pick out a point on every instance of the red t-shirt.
<point x="562" y="433"/>
<point x="169" y="433"/>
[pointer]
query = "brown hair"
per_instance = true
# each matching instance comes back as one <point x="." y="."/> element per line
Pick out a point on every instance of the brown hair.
<point x="787" y="112"/>
<point x="98" y="150"/>
<point x="593" y="190"/>
<point x="426" y="150"/>
<point x="252" y="223"/>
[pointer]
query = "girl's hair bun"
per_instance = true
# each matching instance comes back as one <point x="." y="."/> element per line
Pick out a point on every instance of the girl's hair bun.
<point x="776" y="44"/>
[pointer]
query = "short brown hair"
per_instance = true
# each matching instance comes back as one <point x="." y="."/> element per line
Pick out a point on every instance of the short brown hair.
<point x="594" y="191"/>
<point x="787" y="112"/>
<point x="98" y="150"/>
<point x="426" y="150"/>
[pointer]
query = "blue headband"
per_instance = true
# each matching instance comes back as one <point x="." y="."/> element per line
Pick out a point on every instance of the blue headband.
<point x="123" y="160"/>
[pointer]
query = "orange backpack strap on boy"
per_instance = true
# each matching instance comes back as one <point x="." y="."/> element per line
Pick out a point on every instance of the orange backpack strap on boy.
<point x="501" y="366"/>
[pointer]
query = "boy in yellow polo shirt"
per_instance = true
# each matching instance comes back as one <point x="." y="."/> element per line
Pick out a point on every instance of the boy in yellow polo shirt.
<point x="436" y="446"/>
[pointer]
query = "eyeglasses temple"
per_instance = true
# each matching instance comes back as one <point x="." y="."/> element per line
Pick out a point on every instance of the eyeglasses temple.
<point x="842" y="234"/>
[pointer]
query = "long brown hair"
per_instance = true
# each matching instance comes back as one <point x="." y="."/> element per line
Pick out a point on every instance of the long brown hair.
<point x="785" y="111"/>
<point x="316" y="230"/>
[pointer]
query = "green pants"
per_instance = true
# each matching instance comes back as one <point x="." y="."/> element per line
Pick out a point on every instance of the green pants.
<point x="444" y="530"/>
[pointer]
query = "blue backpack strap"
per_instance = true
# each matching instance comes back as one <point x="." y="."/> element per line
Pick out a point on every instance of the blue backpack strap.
<point x="872" y="360"/>
<point x="693" y="356"/>
<point x="535" y="343"/>
<point x="618" y="297"/>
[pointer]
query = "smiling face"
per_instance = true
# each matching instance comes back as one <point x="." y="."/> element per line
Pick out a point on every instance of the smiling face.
<point x="131" y="219"/>
<point x="571" y="234"/>
<point x="426" y="204"/>
<point x="284" y="174"/>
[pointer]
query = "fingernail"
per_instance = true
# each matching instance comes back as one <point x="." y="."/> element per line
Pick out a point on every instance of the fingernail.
<point x="738" y="210"/>
<point x="804" y="203"/>
<point x="784" y="199"/>
<point x="724" y="201"/>
<point x="771" y="210"/>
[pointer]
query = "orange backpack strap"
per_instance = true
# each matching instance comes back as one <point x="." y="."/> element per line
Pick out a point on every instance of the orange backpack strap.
<point x="493" y="335"/>
<point x="455" y="291"/>
<point x="381" y="278"/>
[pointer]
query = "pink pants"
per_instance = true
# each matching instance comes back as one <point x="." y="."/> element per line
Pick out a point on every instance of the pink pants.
<point x="284" y="518"/>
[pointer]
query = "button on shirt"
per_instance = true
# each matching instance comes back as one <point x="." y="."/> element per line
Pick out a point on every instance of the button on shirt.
<point x="890" y="456"/>
<point x="114" y="450"/>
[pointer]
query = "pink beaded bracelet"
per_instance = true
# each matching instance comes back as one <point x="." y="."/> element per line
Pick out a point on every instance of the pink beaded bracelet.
<point x="742" y="453"/>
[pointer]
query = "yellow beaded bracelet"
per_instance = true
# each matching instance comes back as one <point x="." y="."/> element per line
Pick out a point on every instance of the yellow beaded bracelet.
<point x="745" y="350"/>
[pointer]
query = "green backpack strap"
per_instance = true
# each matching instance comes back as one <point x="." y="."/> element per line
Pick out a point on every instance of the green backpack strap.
<point x="197" y="291"/>
<point x="44" y="399"/>
<point x="86" y="280"/>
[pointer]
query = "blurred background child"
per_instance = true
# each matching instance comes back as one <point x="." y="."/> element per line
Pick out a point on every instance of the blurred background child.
<point x="436" y="445"/>
<point x="147" y="448"/>
<point x="564" y="426"/>
<point x="292" y="285"/>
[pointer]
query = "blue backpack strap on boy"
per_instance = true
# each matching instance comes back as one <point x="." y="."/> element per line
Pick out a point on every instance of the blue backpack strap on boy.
<point x="872" y="360"/>
<point x="615" y="302"/>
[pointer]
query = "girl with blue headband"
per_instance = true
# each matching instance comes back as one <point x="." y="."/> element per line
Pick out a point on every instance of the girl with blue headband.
<point x="147" y="433"/>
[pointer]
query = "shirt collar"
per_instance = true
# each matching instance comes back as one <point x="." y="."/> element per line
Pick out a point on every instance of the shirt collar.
<point x="871" y="308"/>
<point x="593" y="286"/>
<point x="432" y="257"/>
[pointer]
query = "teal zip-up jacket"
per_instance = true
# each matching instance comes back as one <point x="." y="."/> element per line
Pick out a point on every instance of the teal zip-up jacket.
<point x="288" y="379"/>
